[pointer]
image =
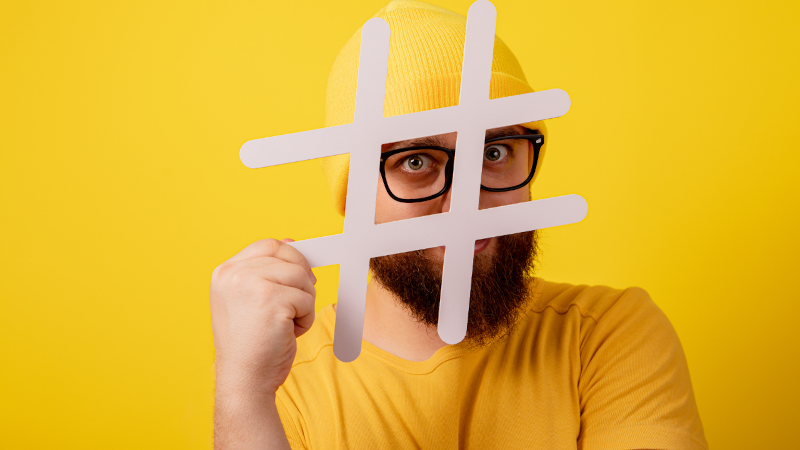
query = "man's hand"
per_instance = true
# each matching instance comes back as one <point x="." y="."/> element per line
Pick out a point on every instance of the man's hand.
<point x="262" y="299"/>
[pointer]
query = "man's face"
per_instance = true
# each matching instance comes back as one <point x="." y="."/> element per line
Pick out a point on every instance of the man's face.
<point x="389" y="210"/>
<point x="499" y="287"/>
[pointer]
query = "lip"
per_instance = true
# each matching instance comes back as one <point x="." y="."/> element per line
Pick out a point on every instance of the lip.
<point x="480" y="245"/>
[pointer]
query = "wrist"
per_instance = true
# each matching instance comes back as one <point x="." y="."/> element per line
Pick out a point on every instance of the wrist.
<point x="238" y="383"/>
<point x="242" y="405"/>
<point x="246" y="419"/>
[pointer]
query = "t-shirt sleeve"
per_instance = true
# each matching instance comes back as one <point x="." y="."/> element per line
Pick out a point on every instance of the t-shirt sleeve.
<point x="290" y="424"/>
<point x="635" y="390"/>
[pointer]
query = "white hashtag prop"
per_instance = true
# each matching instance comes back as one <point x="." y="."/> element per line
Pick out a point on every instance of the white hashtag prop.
<point x="457" y="229"/>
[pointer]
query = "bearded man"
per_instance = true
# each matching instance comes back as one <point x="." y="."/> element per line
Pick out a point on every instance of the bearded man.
<point x="543" y="365"/>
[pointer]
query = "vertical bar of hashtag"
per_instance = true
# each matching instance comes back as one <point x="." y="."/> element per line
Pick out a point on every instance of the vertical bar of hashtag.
<point x="362" y="187"/>
<point x="476" y="76"/>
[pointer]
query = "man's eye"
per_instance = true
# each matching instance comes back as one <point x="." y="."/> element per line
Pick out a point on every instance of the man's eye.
<point x="417" y="162"/>
<point x="495" y="152"/>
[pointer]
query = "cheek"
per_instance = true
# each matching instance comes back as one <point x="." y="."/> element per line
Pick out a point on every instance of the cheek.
<point x="495" y="199"/>
<point x="382" y="205"/>
<point x="389" y="210"/>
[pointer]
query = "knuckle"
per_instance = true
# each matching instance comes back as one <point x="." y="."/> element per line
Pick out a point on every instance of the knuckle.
<point x="220" y="272"/>
<point x="234" y="276"/>
<point x="224" y="269"/>
<point x="238" y="279"/>
<point x="269" y="246"/>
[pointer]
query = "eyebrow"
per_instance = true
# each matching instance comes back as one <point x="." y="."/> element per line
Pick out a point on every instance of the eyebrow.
<point x="427" y="141"/>
<point x="436" y="141"/>
<point x="505" y="131"/>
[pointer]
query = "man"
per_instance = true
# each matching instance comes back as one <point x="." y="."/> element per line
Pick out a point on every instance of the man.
<point x="544" y="365"/>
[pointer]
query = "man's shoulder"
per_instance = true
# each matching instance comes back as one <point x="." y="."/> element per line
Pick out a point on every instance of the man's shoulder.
<point x="634" y="385"/>
<point x="593" y="302"/>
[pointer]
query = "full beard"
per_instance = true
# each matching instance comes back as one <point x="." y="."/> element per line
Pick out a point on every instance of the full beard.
<point x="500" y="285"/>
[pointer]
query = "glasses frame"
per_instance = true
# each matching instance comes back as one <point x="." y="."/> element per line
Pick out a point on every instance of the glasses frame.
<point x="448" y="168"/>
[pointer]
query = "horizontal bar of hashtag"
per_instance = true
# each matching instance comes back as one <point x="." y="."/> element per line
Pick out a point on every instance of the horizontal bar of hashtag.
<point x="322" y="142"/>
<point x="394" y="237"/>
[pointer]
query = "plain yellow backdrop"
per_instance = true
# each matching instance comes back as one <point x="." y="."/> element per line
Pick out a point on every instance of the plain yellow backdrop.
<point x="122" y="189"/>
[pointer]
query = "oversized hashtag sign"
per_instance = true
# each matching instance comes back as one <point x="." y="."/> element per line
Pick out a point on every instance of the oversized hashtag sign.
<point x="457" y="229"/>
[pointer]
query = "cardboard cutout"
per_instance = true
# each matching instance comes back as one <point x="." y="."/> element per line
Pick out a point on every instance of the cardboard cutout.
<point x="457" y="229"/>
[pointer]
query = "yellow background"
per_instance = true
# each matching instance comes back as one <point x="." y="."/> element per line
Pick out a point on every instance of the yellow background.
<point x="122" y="189"/>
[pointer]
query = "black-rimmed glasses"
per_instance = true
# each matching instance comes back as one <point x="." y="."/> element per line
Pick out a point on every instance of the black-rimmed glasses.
<point x="418" y="174"/>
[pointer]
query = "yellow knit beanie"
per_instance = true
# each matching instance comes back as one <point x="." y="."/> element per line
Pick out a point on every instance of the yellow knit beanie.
<point x="425" y="56"/>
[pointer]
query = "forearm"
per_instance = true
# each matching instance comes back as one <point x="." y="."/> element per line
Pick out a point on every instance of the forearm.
<point x="261" y="300"/>
<point x="244" y="420"/>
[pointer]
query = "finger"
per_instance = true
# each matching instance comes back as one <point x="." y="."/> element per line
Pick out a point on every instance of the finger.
<point x="292" y="255"/>
<point x="280" y="272"/>
<point x="313" y="276"/>
<point x="264" y="247"/>
<point x="276" y="249"/>
<point x="303" y="324"/>
<point x="301" y="307"/>
<point x="262" y="265"/>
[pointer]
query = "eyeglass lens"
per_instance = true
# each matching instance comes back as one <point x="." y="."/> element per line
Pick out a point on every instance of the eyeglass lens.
<point x="416" y="173"/>
<point x="506" y="163"/>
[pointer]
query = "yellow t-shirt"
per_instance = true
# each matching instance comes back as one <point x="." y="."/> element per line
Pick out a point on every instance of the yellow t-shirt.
<point x="587" y="367"/>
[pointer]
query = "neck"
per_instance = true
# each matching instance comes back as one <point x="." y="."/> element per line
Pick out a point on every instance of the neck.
<point x="391" y="328"/>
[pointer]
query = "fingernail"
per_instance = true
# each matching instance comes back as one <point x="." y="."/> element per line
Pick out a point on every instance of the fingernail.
<point x="313" y="278"/>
